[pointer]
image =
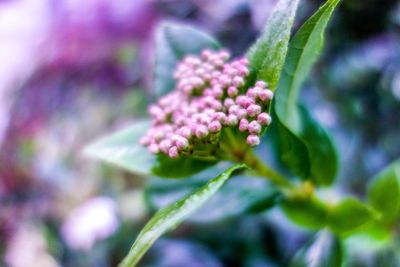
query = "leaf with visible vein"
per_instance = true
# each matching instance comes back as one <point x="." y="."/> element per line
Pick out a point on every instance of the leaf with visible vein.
<point x="123" y="149"/>
<point x="267" y="55"/>
<point x="170" y="217"/>
<point x="296" y="127"/>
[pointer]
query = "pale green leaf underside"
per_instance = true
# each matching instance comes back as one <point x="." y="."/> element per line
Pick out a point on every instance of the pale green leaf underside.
<point x="267" y="55"/>
<point x="173" y="42"/>
<point x="123" y="149"/>
<point x="169" y="218"/>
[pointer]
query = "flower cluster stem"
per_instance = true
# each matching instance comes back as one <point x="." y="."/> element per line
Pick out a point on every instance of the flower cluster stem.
<point x="255" y="163"/>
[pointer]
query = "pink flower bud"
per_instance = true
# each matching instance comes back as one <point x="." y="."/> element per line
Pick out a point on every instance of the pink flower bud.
<point x="185" y="132"/>
<point x="200" y="71"/>
<point x="251" y="93"/>
<point x="201" y="131"/>
<point x="214" y="81"/>
<point x="242" y="113"/>
<point x="265" y="95"/>
<point x="215" y="75"/>
<point x="224" y="55"/>
<point x="154" y="149"/>
<point x="244" y="61"/>
<point x="182" y="143"/>
<point x="165" y="145"/>
<point x="229" y="102"/>
<point x="253" y="140"/>
<point x="253" y="110"/>
<point x="206" y="53"/>
<point x="238" y="81"/>
<point x="145" y="140"/>
<point x="254" y="127"/>
<point x="218" y="92"/>
<point x="208" y="99"/>
<point x="208" y="92"/>
<point x="174" y="138"/>
<point x="155" y="110"/>
<point x="206" y="76"/>
<point x="158" y="135"/>
<point x="264" y="119"/>
<point x="204" y="119"/>
<point x="179" y="120"/>
<point x="187" y="89"/>
<point x="173" y="152"/>
<point x="232" y="91"/>
<point x="244" y="101"/>
<point x="257" y="90"/>
<point x="214" y="126"/>
<point x="216" y="105"/>
<point x="243" y="71"/>
<point x="196" y="81"/>
<point x="230" y="71"/>
<point x="261" y="84"/>
<point x="218" y="62"/>
<point x="225" y="80"/>
<point x="243" y="125"/>
<point x="232" y="120"/>
<point x="234" y="109"/>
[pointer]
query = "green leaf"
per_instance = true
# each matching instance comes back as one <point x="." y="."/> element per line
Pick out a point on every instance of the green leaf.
<point x="373" y="236"/>
<point x="180" y="167"/>
<point x="123" y="149"/>
<point x="267" y="55"/>
<point x="309" y="213"/>
<point x="241" y="195"/>
<point x="325" y="250"/>
<point x="170" y="217"/>
<point x="308" y="140"/>
<point x="173" y="42"/>
<point x="348" y="216"/>
<point x="384" y="193"/>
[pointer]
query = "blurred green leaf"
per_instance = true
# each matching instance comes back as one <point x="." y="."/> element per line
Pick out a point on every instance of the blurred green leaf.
<point x="170" y="217"/>
<point x="309" y="213"/>
<point x="384" y="193"/>
<point x="325" y="250"/>
<point x="173" y="42"/>
<point x="123" y="149"/>
<point x="349" y="216"/>
<point x="305" y="136"/>
<point x="389" y="257"/>
<point x="372" y="237"/>
<point x="267" y="55"/>
<point x="241" y="195"/>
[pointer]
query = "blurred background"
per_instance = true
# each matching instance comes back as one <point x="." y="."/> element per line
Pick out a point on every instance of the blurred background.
<point x="73" y="70"/>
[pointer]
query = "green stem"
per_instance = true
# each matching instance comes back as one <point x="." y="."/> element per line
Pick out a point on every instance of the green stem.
<point x="254" y="162"/>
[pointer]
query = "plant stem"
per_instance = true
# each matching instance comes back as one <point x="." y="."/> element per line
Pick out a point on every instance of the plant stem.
<point x="254" y="162"/>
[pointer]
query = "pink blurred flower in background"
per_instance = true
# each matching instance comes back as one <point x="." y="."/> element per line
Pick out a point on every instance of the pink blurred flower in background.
<point x="87" y="32"/>
<point x="19" y="43"/>
<point x="28" y="248"/>
<point x="92" y="221"/>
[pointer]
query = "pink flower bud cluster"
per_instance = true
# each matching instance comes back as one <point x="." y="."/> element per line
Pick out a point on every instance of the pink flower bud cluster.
<point x="207" y="98"/>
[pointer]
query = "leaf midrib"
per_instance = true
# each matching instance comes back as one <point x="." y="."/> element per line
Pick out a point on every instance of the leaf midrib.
<point x="292" y="97"/>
